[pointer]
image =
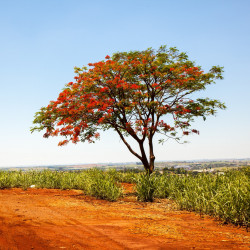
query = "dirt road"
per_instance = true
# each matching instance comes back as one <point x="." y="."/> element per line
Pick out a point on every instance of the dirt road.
<point x="55" y="219"/>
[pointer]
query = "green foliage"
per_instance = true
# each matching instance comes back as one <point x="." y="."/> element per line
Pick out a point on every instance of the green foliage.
<point x="137" y="94"/>
<point x="127" y="175"/>
<point x="225" y="196"/>
<point x="93" y="182"/>
<point x="102" y="186"/>
<point x="146" y="185"/>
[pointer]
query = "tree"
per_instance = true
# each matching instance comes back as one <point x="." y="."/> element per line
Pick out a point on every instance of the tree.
<point x="137" y="94"/>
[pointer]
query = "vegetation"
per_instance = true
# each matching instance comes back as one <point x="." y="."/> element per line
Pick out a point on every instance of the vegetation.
<point x="222" y="195"/>
<point x="225" y="196"/>
<point x="93" y="182"/>
<point x="136" y="94"/>
<point x="146" y="185"/>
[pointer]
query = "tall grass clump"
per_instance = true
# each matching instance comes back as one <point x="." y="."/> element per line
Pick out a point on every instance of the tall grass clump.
<point x="15" y="179"/>
<point x="93" y="182"/>
<point x="226" y="196"/>
<point x="103" y="186"/>
<point x="146" y="185"/>
<point x="126" y="175"/>
<point x="232" y="202"/>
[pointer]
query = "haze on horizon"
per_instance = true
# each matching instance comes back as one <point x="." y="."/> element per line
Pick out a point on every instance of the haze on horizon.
<point x="43" y="41"/>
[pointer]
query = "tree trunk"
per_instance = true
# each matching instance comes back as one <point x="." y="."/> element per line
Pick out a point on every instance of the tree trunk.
<point x="144" y="159"/>
<point x="148" y="164"/>
<point x="151" y="154"/>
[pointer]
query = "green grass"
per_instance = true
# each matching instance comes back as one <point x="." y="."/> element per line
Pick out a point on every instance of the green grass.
<point x="225" y="196"/>
<point x="93" y="182"/>
<point x="146" y="185"/>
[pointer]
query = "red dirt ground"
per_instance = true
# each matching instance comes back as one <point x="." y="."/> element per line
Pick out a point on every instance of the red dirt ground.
<point x="55" y="219"/>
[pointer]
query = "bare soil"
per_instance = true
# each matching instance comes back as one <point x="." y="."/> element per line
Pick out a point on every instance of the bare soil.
<point x="56" y="219"/>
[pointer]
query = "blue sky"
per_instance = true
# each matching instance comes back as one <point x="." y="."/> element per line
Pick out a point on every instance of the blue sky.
<point x="41" y="42"/>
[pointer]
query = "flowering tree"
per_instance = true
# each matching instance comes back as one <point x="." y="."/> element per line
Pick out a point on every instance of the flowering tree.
<point x="137" y="94"/>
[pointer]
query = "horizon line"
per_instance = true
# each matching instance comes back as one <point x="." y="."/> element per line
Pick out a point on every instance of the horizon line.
<point x="130" y="162"/>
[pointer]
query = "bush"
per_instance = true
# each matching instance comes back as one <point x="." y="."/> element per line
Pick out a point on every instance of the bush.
<point x="146" y="186"/>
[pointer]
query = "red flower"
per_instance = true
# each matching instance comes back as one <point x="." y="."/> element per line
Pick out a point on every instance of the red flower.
<point x="195" y="131"/>
<point x="61" y="143"/>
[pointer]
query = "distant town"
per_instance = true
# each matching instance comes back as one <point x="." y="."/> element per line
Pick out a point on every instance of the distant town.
<point x="195" y="165"/>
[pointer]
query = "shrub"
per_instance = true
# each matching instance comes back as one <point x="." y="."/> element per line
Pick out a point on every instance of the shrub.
<point x="146" y="187"/>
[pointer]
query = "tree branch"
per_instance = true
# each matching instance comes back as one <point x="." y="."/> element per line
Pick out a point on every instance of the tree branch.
<point x="126" y="143"/>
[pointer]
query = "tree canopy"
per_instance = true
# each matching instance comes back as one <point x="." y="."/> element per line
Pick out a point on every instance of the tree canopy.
<point x="137" y="94"/>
